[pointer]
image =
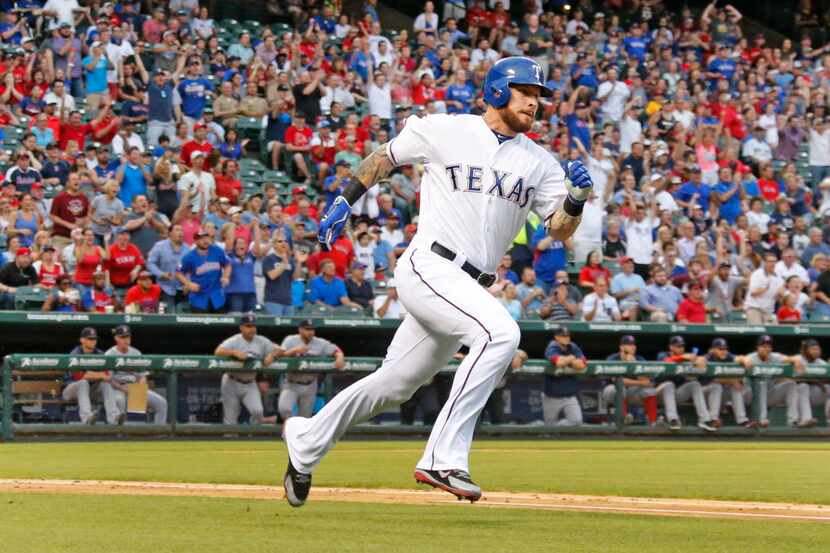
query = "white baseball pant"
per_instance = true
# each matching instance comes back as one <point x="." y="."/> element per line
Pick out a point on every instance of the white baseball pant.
<point x="692" y="391"/>
<point x="784" y="392"/>
<point x="552" y="407"/>
<point x="296" y="393"/>
<point x="812" y="395"/>
<point x="445" y="309"/>
<point x="83" y="391"/>
<point x="234" y="395"/>
<point x="738" y="400"/>
<point x="155" y="402"/>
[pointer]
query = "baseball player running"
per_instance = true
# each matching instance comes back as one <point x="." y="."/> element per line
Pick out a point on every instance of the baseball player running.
<point x="482" y="176"/>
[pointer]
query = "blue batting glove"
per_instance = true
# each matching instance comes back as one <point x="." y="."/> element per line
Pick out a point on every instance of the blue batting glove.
<point x="332" y="223"/>
<point x="577" y="180"/>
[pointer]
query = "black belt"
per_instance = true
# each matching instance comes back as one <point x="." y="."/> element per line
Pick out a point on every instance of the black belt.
<point x="233" y="377"/>
<point x="485" y="279"/>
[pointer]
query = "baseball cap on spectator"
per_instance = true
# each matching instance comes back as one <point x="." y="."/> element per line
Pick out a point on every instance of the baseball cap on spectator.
<point x="298" y="190"/>
<point x="223" y="200"/>
<point x="23" y="251"/>
<point x="182" y="11"/>
<point x="97" y="44"/>
<point x="121" y="331"/>
<point x="144" y="274"/>
<point x="197" y="153"/>
<point x="234" y="210"/>
<point x="342" y="163"/>
<point x="562" y="330"/>
<point x="719" y="343"/>
<point x="627" y="340"/>
<point x="48" y="248"/>
<point x="359" y="266"/>
<point x="65" y="25"/>
<point x="306" y="323"/>
<point x="725" y="264"/>
<point x="677" y="341"/>
<point x="121" y="230"/>
<point x="200" y="233"/>
<point x="626" y="259"/>
<point x="695" y="284"/>
<point x="89" y="332"/>
<point x="764" y="339"/>
<point x="248" y="319"/>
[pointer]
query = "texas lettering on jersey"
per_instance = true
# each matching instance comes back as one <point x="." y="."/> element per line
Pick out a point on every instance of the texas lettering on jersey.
<point x="486" y="180"/>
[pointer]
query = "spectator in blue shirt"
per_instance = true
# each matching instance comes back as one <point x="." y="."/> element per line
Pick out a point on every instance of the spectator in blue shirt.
<point x="96" y="66"/>
<point x="164" y="259"/>
<point x="577" y="119"/>
<point x="551" y="257"/>
<point x="729" y="195"/>
<point x="329" y="290"/>
<point x="693" y="192"/>
<point x="10" y="28"/>
<point x="636" y="45"/>
<point x="241" y="291"/>
<point x="205" y="273"/>
<point x="133" y="177"/>
<point x="194" y="91"/>
<point x="660" y="299"/>
<point x="721" y="66"/>
<point x="460" y="95"/>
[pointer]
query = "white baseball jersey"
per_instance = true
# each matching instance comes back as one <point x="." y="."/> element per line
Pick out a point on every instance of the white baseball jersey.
<point x="476" y="193"/>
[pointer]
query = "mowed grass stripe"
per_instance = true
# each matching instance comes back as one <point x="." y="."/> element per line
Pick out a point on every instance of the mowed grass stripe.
<point x="102" y="524"/>
<point x="780" y="471"/>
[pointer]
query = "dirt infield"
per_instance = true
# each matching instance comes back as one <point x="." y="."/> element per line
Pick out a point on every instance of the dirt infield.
<point x="553" y="502"/>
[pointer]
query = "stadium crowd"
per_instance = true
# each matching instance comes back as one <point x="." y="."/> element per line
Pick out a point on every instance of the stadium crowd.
<point x="161" y="160"/>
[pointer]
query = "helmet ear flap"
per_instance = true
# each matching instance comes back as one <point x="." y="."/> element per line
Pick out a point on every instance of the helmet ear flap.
<point x="499" y="94"/>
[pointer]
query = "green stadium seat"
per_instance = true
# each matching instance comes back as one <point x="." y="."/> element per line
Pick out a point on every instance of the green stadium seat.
<point x="736" y="316"/>
<point x="30" y="298"/>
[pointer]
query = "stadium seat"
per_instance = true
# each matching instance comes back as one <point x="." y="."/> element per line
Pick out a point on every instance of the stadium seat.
<point x="30" y="298"/>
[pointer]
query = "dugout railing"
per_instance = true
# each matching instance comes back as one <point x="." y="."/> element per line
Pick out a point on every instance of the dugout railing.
<point x="23" y="367"/>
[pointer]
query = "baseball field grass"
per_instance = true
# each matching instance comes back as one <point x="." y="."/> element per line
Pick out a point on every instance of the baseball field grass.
<point x="791" y="472"/>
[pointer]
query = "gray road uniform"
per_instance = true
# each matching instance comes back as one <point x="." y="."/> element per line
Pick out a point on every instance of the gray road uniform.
<point x="299" y="388"/>
<point x="240" y="388"/>
<point x="155" y="401"/>
<point x="812" y="394"/>
<point x="778" y="392"/>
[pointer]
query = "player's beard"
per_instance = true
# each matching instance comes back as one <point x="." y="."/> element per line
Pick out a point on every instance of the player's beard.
<point x="518" y="122"/>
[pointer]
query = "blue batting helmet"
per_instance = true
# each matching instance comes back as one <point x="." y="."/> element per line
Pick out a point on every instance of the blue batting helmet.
<point x="509" y="71"/>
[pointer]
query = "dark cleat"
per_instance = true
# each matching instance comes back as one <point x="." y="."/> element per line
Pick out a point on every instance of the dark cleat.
<point x="457" y="482"/>
<point x="297" y="486"/>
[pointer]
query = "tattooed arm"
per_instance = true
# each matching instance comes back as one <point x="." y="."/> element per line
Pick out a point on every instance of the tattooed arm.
<point x="376" y="166"/>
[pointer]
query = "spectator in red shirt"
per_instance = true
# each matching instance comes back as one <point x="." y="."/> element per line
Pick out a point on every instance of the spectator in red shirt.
<point x="199" y="143"/>
<point x="70" y="210"/>
<point x="125" y="261"/>
<point x="298" y="142"/>
<point x="425" y="90"/>
<point x="75" y="129"/>
<point x="227" y="184"/>
<point x="144" y="296"/>
<point x="592" y="269"/>
<point x="323" y="148"/>
<point x="477" y="16"/>
<point x="767" y="184"/>
<point x="692" y="309"/>
<point x="105" y="125"/>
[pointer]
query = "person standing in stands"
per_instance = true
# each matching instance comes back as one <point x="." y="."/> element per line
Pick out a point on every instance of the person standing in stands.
<point x="205" y="272"/>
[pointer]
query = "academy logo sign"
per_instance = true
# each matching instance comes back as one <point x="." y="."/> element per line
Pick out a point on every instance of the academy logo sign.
<point x="609" y="369"/>
<point x="132" y="362"/>
<point x="224" y="364"/>
<point x="39" y="362"/>
<point x="170" y="363"/>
